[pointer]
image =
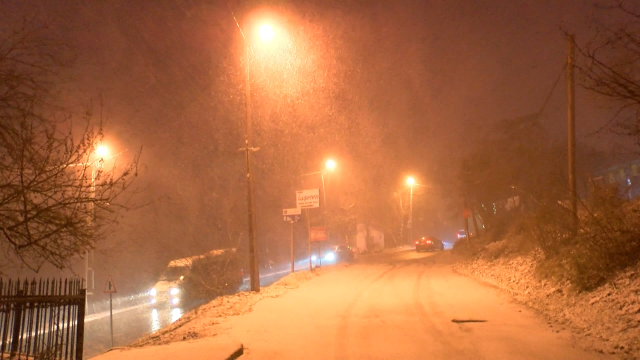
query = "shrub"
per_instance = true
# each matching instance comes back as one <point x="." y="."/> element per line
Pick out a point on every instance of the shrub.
<point x="607" y="239"/>
<point x="213" y="275"/>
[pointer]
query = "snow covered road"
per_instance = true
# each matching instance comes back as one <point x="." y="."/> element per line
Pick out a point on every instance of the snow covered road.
<point x="400" y="305"/>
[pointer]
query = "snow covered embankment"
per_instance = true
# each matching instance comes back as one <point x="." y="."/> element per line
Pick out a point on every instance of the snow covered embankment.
<point x="606" y="319"/>
<point x="204" y="320"/>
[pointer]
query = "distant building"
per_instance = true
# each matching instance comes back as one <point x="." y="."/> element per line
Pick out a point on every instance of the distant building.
<point x="374" y="242"/>
<point x="626" y="176"/>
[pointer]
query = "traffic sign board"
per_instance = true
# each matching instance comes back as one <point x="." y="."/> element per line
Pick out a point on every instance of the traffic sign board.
<point x="306" y="199"/>
<point x="110" y="288"/>
<point x="318" y="234"/>
<point x="292" y="218"/>
<point x="466" y="213"/>
<point x="294" y="211"/>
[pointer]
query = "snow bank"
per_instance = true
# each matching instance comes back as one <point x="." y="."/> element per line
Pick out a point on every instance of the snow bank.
<point x="606" y="319"/>
<point x="201" y="322"/>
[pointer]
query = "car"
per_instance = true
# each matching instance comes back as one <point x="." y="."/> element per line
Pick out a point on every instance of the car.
<point x="344" y="253"/>
<point x="429" y="243"/>
<point x="462" y="234"/>
<point x="223" y="273"/>
<point x="337" y="254"/>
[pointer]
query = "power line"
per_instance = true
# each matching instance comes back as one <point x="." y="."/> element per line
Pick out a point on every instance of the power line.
<point x="555" y="84"/>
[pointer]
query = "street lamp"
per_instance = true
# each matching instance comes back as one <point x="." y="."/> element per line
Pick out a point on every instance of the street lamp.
<point x="266" y="33"/>
<point x="410" y="182"/>
<point x="101" y="152"/>
<point x="330" y="165"/>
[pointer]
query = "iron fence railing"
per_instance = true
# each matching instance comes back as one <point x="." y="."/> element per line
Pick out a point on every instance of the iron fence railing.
<point x="42" y="320"/>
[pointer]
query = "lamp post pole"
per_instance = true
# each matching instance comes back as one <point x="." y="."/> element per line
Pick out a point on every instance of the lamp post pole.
<point x="410" y="222"/>
<point x="253" y="256"/>
<point x="410" y="181"/>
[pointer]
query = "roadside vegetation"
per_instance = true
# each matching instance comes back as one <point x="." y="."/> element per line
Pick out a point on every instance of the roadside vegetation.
<point x="515" y="180"/>
<point x="606" y="242"/>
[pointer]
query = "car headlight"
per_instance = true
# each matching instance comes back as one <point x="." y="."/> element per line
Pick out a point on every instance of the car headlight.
<point x="174" y="291"/>
<point x="153" y="292"/>
<point x="313" y="258"/>
<point x="330" y="257"/>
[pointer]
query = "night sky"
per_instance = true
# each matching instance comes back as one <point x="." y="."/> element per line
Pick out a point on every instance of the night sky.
<point x="419" y="78"/>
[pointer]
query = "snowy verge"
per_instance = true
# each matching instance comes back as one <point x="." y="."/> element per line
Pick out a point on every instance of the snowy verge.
<point x="606" y="319"/>
<point x="201" y="322"/>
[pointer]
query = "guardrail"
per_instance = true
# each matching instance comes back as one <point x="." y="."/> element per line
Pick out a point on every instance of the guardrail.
<point x="42" y="319"/>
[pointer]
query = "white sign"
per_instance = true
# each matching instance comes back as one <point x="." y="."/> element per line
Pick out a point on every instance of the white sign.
<point x="294" y="211"/>
<point x="110" y="288"/>
<point x="306" y="199"/>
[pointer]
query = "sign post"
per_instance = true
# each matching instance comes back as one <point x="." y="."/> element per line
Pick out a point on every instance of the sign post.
<point x="318" y="235"/>
<point x="307" y="199"/>
<point x="292" y="216"/>
<point x="110" y="289"/>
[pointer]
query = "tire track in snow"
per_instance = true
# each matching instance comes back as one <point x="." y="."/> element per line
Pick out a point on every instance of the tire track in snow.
<point x="452" y="350"/>
<point x="342" y="334"/>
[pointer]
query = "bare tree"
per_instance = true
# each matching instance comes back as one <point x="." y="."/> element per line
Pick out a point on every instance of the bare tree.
<point x="610" y="64"/>
<point x="57" y="199"/>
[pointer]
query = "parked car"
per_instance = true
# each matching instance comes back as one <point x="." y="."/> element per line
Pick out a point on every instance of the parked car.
<point x="429" y="243"/>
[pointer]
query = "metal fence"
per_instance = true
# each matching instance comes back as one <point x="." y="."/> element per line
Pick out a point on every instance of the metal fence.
<point x="42" y="320"/>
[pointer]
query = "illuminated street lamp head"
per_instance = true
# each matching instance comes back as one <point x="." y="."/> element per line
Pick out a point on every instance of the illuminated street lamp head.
<point x="410" y="181"/>
<point x="102" y="151"/>
<point x="266" y="32"/>
<point x="330" y="164"/>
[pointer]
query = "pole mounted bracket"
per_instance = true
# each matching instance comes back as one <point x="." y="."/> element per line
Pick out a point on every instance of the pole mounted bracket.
<point x="254" y="149"/>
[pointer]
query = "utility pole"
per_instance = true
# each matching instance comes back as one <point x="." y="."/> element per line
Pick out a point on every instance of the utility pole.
<point x="410" y="222"/>
<point x="466" y="222"/>
<point x="253" y="251"/>
<point x="472" y="212"/>
<point x="292" y="260"/>
<point x="571" y="127"/>
<point x="306" y="213"/>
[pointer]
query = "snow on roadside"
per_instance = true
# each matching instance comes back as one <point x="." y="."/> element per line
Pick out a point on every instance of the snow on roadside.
<point x="201" y="322"/>
<point x="606" y="319"/>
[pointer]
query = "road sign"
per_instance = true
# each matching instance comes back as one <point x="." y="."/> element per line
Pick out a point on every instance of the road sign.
<point x="110" y="288"/>
<point x="306" y="199"/>
<point x="318" y="234"/>
<point x="294" y="211"/>
<point x="291" y="215"/>
<point x="466" y="213"/>
<point x="292" y="218"/>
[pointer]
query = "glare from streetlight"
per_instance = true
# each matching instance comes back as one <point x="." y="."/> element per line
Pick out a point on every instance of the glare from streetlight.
<point x="102" y="151"/>
<point x="266" y="32"/>
<point x="330" y="164"/>
<point x="411" y="181"/>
